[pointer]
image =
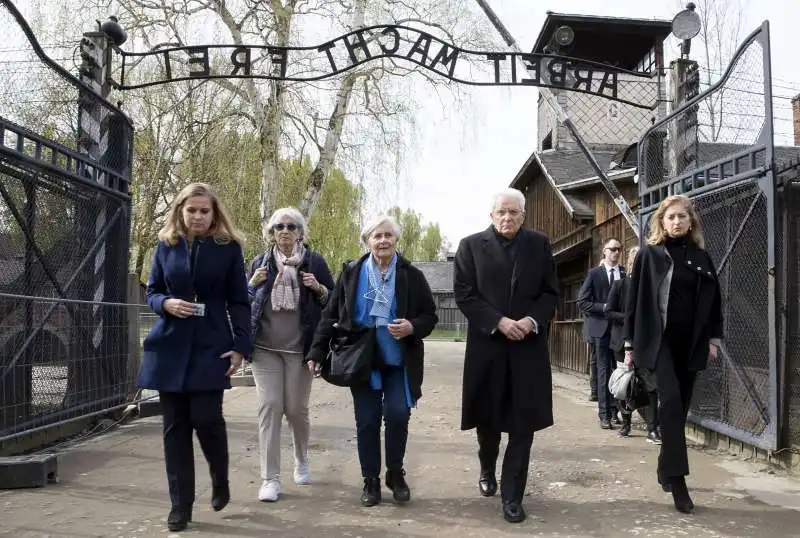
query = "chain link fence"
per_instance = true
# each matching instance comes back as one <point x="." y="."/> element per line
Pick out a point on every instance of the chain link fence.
<point x="65" y="158"/>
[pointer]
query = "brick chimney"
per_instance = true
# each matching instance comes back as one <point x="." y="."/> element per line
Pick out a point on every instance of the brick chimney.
<point x="796" y="118"/>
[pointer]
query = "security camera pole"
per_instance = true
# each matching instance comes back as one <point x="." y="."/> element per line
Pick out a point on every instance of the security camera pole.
<point x="622" y="204"/>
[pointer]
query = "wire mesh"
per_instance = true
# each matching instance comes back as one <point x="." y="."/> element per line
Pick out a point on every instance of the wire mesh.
<point x="722" y="136"/>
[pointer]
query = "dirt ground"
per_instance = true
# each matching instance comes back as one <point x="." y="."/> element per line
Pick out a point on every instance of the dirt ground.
<point x="584" y="481"/>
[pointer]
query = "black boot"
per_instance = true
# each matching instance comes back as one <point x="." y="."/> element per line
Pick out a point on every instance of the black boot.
<point x="625" y="430"/>
<point x="220" y="496"/>
<point x="680" y="495"/>
<point x="396" y="481"/>
<point x="372" y="491"/>
<point x="179" y="519"/>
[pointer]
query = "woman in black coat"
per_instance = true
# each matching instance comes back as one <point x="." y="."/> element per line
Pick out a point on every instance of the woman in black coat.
<point x="381" y="290"/>
<point x="615" y="312"/>
<point x="673" y="326"/>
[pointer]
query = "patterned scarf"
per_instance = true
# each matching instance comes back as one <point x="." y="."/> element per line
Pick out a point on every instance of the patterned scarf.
<point x="381" y="291"/>
<point x="286" y="289"/>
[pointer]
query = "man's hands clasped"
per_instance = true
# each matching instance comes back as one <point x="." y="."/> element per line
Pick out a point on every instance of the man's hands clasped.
<point x="515" y="330"/>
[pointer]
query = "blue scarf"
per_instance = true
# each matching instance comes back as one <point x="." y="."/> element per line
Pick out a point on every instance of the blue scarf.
<point x="380" y="291"/>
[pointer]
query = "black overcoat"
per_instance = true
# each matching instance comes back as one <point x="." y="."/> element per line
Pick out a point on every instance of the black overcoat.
<point x="414" y="301"/>
<point x="647" y="300"/>
<point x="507" y="385"/>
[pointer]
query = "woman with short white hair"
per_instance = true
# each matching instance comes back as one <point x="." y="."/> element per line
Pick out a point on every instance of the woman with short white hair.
<point x="289" y="285"/>
<point x="391" y="296"/>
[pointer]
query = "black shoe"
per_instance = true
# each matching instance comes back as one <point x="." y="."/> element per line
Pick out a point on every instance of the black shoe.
<point x="654" y="437"/>
<point x="372" y="491"/>
<point x="625" y="430"/>
<point x="487" y="483"/>
<point x="593" y="397"/>
<point x="680" y="496"/>
<point x="220" y="496"/>
<point x="396" y="481"/>
<point x="513" y="512"/>
<point x="606" y="425"/>
<point x="179" y="519"/>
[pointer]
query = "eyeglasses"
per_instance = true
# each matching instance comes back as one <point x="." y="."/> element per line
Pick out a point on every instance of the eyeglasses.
<point x="613" y="249"/>
<point x="280" y="226"/>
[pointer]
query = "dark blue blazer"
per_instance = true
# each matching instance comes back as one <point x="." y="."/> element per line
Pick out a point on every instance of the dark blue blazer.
<point x="592" y="299"/>
<point x="183" y="355"/>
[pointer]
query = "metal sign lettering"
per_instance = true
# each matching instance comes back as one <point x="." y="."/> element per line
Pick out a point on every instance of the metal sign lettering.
<point x="305" y="64"/>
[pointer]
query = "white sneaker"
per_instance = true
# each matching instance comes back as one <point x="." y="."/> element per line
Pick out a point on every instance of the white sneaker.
<point x="302" y="476"/>
<point x="270" y="491"/>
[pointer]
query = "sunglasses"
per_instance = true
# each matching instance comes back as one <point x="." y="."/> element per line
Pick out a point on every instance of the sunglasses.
<point x="613" y="249"/>
<point x="280" y="226"/>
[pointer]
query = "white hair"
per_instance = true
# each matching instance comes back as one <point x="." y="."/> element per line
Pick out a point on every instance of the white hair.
<point x="509" y="193"/>
<point x="375" y="223"/>
<point x="292" y="214"/>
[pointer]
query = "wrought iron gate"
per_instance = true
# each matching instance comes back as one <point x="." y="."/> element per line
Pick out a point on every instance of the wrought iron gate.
<point x="727" y="168"/>
<point x="64" y="220"/>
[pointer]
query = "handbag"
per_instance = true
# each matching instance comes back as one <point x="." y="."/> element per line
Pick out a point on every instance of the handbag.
<point x="637" y="396"/>
<point x="350" y="358"/>
<point x="619" y="381"/>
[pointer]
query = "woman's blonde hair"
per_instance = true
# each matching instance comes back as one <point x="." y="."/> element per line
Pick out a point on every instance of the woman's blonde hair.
<point x="658" y="234"/>
<point x="221" y="229"/>
<point x="632" y="252"/>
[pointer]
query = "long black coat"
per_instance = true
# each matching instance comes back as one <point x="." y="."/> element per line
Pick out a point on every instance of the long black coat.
<point x="615" y="311"/>
<point x="646" y="308"/>
<point x="414" y="302"/>
<point x="488" y="286"/>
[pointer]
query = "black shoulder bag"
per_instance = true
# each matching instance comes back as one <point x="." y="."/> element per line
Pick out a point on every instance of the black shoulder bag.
<point x="350" y="358"/>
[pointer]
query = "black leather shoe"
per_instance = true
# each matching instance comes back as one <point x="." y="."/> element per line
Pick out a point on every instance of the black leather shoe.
<point x="513" y="512"/>
<point x="179" y="519"/>
<point x="372" y="492"/>
<point x="396" y="481"/>
<point x="680" y="496"/>
<point x="487" y="483"/>
<point x="606" y="425"/>
<point x="220" y="496"/>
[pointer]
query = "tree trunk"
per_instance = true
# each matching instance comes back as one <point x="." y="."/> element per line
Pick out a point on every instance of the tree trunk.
<point x="327" y="158"/>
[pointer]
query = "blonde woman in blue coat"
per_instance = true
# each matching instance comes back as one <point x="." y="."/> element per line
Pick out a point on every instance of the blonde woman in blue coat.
<point x="198" y="288"/>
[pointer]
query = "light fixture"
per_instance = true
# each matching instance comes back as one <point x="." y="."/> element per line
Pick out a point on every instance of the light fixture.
<point x="685" y="26"/>
<point x="564" y="36"/>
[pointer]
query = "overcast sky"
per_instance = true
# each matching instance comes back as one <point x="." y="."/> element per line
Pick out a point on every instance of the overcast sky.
<point x="462" y="159"/>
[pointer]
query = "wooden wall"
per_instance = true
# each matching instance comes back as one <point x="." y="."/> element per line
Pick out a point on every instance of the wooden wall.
<point x="545" y="212"/>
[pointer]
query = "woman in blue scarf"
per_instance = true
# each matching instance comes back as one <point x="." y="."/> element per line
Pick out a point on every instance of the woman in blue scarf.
<point x="382" y="290"/>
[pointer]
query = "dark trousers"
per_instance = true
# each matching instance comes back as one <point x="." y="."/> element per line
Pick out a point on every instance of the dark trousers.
<point x="674" y="385"/>
<point x="389" y="404"/>
<point x="183" y="413"/>
<point x="514" y="475"/>
<point x="606" y="405"/>
<point x="593" y="370"/>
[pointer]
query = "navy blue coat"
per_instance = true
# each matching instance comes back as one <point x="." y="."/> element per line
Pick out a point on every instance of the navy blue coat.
<point x="310" y="305"/>
<point x="183" y="355"/>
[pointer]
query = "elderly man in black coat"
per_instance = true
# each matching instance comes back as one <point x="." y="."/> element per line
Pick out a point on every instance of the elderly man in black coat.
<point x="505" y="284"/>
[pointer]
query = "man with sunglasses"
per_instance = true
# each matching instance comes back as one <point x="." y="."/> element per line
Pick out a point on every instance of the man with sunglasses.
<point x="592" y="301"/>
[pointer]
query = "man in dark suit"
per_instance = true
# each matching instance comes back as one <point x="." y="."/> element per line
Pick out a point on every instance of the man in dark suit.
<point x="505" y="284"/>
<point x="592" y="301"/>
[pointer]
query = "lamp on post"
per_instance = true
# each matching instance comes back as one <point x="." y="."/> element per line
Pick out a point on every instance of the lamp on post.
<point x="686" y="25"/>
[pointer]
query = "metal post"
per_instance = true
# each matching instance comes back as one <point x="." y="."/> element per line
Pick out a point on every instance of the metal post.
<point x="622" y="204"/>
<point x="92" y="140"/>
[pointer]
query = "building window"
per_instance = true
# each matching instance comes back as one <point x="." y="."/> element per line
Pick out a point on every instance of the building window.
<point x="547" y="143"/>
<point x="568" y="307"/>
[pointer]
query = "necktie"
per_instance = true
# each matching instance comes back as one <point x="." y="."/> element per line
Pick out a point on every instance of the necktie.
<point x="611" y="276"/>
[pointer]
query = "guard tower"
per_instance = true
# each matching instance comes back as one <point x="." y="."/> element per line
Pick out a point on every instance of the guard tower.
<point x="635" y="45"/>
